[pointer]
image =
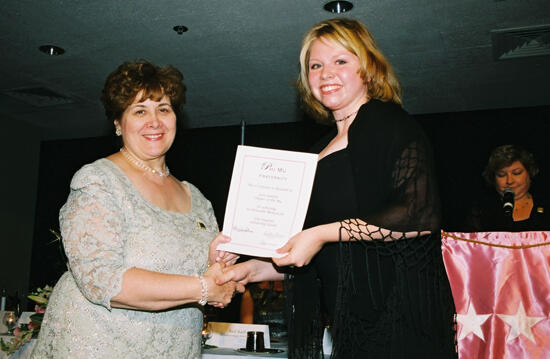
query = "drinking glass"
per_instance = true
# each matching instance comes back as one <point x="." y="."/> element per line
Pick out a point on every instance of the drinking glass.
<point x="10" y="321"/>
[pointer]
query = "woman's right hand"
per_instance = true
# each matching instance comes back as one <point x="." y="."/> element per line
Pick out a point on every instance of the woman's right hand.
<point x="240" y="273"/>
<point x="303" y="246"/>
<point x="252" y="270"/>
<point x="218" y="295"/>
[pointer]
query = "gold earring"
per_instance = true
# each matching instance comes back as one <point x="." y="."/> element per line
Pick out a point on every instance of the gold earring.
<point x="118" y="131"/>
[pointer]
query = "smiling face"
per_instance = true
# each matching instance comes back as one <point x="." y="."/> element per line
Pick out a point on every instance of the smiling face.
<point x="148" y="127"/>
<point x="334" y="78"/>
<point x="515" y="177"/>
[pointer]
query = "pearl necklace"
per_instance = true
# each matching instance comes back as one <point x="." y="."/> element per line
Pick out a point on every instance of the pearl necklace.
<point x="346" y="117"/>
<point x="142" y="165"/>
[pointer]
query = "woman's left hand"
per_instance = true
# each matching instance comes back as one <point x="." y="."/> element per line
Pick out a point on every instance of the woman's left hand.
<point x="216" y="256"/>
<point x="300" y="248"/>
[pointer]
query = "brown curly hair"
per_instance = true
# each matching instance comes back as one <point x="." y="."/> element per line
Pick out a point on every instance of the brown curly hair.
<point x="123" y="85"/>
<point x="376" y="71"/>
<point x="504" y="156"/>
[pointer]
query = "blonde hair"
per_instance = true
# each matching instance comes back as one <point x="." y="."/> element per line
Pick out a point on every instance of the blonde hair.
<point x="376" y="71"/>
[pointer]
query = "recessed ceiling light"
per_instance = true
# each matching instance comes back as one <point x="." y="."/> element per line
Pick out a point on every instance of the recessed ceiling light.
<point x="338" y="7"/>
<point x="51" y="50"/>
<point x="180" y="29"/>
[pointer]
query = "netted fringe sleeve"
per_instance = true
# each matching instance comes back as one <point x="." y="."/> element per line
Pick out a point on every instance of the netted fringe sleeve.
<point x="91" y="226"/>
<point x="413" y="205"/>
<point x="419" y="299"/>
<point x="417" y="311"/>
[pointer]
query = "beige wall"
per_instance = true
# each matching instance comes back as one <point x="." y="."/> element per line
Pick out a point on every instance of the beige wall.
<point x="20" y="153"/>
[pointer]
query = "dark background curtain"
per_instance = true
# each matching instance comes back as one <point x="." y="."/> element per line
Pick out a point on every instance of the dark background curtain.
<point x="461" y="141"/>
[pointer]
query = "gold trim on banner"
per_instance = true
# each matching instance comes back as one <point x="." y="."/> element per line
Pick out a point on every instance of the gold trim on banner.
<point x="443" y="233"/>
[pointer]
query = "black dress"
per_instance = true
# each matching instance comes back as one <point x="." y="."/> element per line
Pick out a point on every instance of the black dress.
<point x="488" y="216"/>
<point x="381" y="299"/>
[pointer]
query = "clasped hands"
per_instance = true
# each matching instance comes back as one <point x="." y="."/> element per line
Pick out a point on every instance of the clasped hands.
<point x="300" y="249"/>
<point x="220" y="293"/>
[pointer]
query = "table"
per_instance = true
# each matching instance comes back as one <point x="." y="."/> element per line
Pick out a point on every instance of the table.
<point x="228" y="353"/>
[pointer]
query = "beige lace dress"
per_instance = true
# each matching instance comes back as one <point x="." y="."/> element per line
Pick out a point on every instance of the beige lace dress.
<point x="107" y="228"/>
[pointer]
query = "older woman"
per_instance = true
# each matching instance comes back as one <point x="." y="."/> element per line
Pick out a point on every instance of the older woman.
<point x="137" y="239"/>
<point x="370" y="253"/>
<point x="510" y="168"/>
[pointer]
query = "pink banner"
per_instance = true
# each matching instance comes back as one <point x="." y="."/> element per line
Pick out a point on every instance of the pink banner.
<point x="501" y="289"/>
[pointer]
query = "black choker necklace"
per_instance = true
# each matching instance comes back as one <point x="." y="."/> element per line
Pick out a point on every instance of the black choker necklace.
<point x="346" y="117"/>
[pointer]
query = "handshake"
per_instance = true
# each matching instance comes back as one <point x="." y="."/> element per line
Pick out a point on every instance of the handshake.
<point x="224" y="278"/>
<point x="217" y="289"/>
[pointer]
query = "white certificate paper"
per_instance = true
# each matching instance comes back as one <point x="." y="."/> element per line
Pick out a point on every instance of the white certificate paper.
<point x="268" y="199"/>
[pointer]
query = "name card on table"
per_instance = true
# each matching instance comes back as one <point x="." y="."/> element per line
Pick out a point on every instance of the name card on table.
<point x="233" y="335"/>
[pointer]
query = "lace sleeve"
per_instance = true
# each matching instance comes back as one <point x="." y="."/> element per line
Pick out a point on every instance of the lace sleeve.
<point x="211" y="214"/>
<point x="91" y="227"/>
<point x="412" y="206"/>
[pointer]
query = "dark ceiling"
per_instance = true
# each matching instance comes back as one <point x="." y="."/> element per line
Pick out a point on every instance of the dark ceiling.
<point x="240" y="58"/>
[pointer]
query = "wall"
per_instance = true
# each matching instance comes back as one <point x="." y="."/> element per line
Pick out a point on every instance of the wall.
<point x="461" y="141"/>
<point x="20" y="149"/>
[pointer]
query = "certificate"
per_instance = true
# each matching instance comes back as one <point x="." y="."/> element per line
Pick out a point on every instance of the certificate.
<point x="268" y="199"/>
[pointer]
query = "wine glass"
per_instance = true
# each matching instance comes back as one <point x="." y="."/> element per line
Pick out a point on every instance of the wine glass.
<point x="10" y="321"/>
<point x="206" y="332"/>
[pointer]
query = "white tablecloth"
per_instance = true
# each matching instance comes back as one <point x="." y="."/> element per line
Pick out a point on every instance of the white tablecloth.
<point x="228" y="353"/>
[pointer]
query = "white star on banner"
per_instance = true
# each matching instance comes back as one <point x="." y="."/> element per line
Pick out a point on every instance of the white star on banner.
<point x="471" y="322"/>
<point x="520" y="323"/>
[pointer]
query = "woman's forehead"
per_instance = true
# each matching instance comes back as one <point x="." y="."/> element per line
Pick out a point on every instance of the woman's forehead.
<point x="513" y="166"/>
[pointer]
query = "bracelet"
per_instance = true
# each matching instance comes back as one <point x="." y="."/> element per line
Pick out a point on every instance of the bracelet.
<point x="204" y="290"/>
